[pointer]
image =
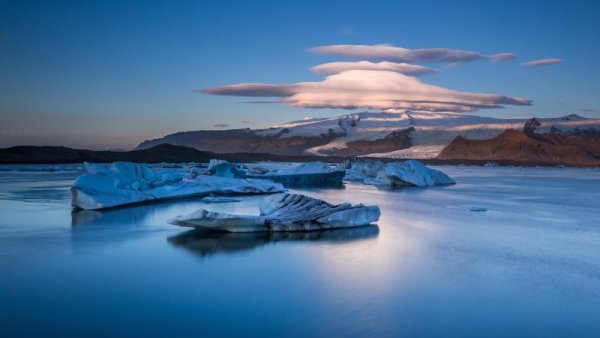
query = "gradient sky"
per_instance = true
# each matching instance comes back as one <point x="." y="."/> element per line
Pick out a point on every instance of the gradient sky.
<point x="110" y="74"/>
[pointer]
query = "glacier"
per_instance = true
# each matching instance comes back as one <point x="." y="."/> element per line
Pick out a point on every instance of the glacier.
<point x="284" y="212"/>
<point x="122" y="183"/>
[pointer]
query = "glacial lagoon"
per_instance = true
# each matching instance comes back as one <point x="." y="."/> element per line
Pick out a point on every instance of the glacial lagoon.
<point x="504" y="252"/>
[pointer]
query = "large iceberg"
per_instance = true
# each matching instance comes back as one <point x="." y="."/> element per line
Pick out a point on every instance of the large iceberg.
<point x="285" y="212"/>
<point x="121" y="183"/>
<point x="409" y="173"/>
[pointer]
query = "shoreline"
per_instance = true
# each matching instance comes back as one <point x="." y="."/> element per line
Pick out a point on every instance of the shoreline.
<point x="180" y="154"/>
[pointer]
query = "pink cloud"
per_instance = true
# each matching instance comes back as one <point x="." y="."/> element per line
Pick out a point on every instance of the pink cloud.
<point x="372" y="89"/>
<point x="423" y="55"/>
<point x="541" y="62"/>
<point x="589" y="110"/>
<point x="502" y="57"/>
<point x="252" y="89"/>
<point x="403" y="68"/>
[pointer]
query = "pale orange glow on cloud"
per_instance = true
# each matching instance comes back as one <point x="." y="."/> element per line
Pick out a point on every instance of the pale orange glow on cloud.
<point x="403" y="68"/>
<point x="421" y="55"/>
<point x="541" y="62"/>
<point x="372" y="89"/>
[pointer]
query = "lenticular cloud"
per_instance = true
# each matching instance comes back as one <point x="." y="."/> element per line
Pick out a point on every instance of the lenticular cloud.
<point x="371" y="89"/>
<point x="387" y="85"/>
<point x="541" y="62"/>
<point x="393" y="53"/>
<point x="403" y="68"/>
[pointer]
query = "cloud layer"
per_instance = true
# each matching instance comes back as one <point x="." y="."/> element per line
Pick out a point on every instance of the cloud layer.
<point x="589" y="110"/>
<point x="382" y="79"/>
<point x="541" y="62"/>
<point x="399" y="54"/>
<point x="502" y="57"/>
<point x="252" y="89"/>
<point x="371" y="89"/>
<point x="402" y="68"/>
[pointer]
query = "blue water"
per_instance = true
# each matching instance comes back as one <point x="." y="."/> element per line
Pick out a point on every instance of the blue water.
<point x="529" y="265"/>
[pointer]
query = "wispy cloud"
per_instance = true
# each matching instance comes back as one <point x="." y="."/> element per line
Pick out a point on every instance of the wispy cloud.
<point x="252" y="89"/>
<point x="385" y="90"/>
<point x="502" y="57"/>
<point x="403" y="68"/>
<point x="221" y="125"/>
<point x="541" y="62"/>
<point x="248" y="122"/>
<point x="589" y="110"/>
<point x="388" y="52"/>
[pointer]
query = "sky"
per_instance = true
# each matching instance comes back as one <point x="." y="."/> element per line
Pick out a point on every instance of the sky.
<point x="111" y="74"/>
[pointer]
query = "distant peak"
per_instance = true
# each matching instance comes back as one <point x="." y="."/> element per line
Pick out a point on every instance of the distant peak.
<point x="571" y="117"/>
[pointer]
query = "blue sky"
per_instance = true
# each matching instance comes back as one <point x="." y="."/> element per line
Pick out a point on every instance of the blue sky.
<point x="110" y="74"/>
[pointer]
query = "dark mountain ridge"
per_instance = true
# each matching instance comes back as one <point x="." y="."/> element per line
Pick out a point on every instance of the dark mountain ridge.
<point x="159" y="153"/>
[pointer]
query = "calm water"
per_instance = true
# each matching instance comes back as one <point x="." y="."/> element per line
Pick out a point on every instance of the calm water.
<point x="529" y="265"/>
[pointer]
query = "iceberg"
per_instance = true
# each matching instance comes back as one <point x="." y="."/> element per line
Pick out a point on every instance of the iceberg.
<point x="409" y="173"/>
<point x="284" y="212"/>
<point x="122" y="183"/>
<point x="223" y="168"/>
<point x="215" y="199"/>
<point x="305" y="174"/>
<point x="413" y="174"/>
<point x="361" y="170"/>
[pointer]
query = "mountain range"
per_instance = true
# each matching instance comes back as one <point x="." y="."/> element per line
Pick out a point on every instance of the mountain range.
<point x="410" y="134"/>
<point x="434" y="138"/>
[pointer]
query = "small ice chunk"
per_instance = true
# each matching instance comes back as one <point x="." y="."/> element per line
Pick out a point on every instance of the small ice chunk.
<point x="223" y="168"/>
<point x="215" y="199"/>
<point x="306" y="174"/>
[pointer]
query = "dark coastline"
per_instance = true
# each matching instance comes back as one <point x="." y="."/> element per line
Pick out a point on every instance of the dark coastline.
<point x="179" y="154"/>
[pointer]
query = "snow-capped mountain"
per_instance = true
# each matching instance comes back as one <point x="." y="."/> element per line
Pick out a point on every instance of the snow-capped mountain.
<point x="401" y="135"/>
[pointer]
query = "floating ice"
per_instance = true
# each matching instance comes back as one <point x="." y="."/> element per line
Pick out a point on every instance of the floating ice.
<point x="215" y="199"/>
<point x="223" y="168"/>
<point x="361" y="170"/>
<point x="411" y="173"/>
<point x="306" y="174"/>
<point x="285" y="212"/>
<point x="122" y="183"/>
<point x="408" y="173"/>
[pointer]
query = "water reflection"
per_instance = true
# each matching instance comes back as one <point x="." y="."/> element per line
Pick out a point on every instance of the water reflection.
<point x="97" y="229"/>
<point x="132" y="214"/>
<point x="206" y="243"/>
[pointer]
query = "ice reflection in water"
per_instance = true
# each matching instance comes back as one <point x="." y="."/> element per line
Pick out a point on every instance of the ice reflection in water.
<point x="206" y="243"/>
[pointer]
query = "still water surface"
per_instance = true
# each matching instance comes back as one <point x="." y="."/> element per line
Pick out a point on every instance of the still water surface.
<point x="529" y="265"/>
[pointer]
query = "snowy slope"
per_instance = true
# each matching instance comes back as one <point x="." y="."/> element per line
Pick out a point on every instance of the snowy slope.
<point x="433" y="131"/>
<point x="410" y="134"/>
